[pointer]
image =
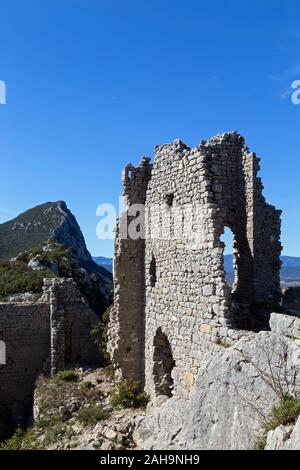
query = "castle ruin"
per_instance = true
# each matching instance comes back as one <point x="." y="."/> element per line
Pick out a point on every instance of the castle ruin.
<point x="171" y="298"/>
<point x="42" y="337"/>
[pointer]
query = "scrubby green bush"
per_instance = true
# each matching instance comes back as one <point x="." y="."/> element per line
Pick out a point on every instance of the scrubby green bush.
<point x="110" y="372"/>
<point x="14" y="442"/>
<point x="67" y="376"/>
<point x="260" y="442"/>
<point x="91" y="415"/>
<point x="53" y="393"/>
<point x="16" y="277"/>
<point x="285" y="412"/>
<point x="21" y="440"/>
<point x="219" y="342"/>
<point x="99" y="334"/>
<point x="129" y="395"/>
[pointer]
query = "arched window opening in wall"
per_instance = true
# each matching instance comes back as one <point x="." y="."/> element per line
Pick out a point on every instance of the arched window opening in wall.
<point x="169" y="198"/>
<point x="152" y="272"/>
<point x="163" y="364"/>
<point x="229" y="257"/>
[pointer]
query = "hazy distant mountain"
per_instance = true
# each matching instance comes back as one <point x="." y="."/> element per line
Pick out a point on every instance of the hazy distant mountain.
<point x="290" y="270"/>
<point x="104" y="262"/>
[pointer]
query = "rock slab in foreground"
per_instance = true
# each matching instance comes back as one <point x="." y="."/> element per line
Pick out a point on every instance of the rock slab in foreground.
<point x="232" y="397"/>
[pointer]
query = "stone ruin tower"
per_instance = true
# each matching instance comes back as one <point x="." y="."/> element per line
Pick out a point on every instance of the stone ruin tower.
<point x="171" y="299"/>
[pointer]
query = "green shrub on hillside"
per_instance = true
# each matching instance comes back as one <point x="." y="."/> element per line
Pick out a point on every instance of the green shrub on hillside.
<point x="16" y="277"/>
<point x="285" y="412"/>
<point x="14" y="442"/>
<point x="58" y="261"/>
<point x="67" y="376"/>
<point x="99" y="334"/>
<point x="91" y="415"/>
<point x="129" y="395"/>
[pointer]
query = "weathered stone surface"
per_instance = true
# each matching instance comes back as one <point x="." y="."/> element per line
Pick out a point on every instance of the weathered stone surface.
<point x="226" y="409"/>
<point x="284" y="438"/>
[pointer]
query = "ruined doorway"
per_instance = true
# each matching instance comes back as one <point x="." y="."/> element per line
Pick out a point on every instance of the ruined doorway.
<point x="163" y="364"/>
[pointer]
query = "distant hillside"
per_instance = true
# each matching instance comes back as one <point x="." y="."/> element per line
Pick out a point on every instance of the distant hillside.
<point x="290" y="270"/>
<point x="104" y="262"/>
<point x="51" y="221"/>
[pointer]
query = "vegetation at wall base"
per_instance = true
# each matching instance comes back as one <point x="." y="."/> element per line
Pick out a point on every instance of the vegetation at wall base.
<point x="285" y="412"/>
<point x="99" y="334"/>
<point x="128" y="395"/>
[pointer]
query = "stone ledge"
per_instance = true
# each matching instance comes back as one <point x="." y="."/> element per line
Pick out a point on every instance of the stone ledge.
<point x="286" y="325"/>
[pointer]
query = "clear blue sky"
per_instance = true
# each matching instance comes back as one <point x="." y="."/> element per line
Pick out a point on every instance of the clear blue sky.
<point x="95" y="84"/>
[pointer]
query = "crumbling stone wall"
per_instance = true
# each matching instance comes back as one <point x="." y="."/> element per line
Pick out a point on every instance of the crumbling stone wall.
<point x="192" y="195"/>
<point x="25" y="330"/>
<point x="43" y="337"/>
<point x="127" y="319"/>
<point x="71" y="322"/>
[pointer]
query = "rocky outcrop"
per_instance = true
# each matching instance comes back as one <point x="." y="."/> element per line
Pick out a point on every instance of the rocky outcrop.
<point x="46" y="227"/>
<point x="284" y="437"/>
<point x="52" y="220"/>
<point x="49" y="221"/>
<point x="234" y="394"/>
<point x="68" y="233"/>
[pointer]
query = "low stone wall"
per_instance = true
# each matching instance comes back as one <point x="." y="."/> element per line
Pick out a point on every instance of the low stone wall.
<point x="71" y="322"/>
<point x="285" y="325"/>
<point x="41" y="338"/>
<point x="25" y="330"/>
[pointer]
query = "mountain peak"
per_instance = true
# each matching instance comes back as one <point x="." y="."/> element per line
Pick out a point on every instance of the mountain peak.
<point x="51" y="220"/>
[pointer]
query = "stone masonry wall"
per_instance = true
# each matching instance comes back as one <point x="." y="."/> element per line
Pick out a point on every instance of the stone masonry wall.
<point x="71" y="322"/>
<point x="129" y="281"/>
<point x="44" y="337"/>
<point x="193" y="194"/>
